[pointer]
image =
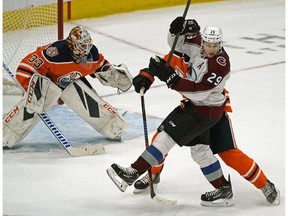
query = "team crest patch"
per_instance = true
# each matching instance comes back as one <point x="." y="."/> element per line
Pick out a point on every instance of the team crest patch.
<point x="221" y="60"/>
<point x="52" y="51"/>
<point x="65" y="80"/>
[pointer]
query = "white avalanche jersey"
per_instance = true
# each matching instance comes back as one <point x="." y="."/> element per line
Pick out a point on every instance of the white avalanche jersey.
<point x="202" y="79"/>
<point x="185" y="45"/>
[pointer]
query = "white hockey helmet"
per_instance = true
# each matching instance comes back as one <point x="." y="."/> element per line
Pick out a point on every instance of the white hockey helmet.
<point x="212" y="34"/>
<point x="79" y="42"/>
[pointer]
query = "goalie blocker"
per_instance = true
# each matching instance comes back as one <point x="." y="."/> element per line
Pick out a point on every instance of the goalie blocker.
<point x="94" y="110"/>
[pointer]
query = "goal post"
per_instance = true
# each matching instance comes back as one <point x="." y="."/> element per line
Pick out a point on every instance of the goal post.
<point x="28" y="24"/>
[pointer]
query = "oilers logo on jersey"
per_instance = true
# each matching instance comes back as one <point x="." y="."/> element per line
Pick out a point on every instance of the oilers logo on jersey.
<point x="65" y="80"/>
<point x="52" y="51"/>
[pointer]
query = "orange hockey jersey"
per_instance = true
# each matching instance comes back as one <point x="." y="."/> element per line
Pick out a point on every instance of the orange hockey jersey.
<point x="55" y="62"/>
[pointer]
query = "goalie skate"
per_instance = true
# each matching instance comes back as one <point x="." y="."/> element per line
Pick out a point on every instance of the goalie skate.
<point x="221" y="196"/>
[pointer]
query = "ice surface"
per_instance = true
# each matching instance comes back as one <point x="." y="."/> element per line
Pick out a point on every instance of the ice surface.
<point x="40" y="179"/>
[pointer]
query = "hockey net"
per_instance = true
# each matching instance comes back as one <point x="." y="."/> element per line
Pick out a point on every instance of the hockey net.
<point x="27" y="24"/>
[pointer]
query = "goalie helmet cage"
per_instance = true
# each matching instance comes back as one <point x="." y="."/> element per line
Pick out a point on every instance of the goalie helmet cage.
<point x="28" y="24"/>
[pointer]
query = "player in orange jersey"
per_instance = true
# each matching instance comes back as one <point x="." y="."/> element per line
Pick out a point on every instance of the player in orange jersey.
<point x="58" y="70"/>
<point x="65" y="61"/>
<point x="222" y="137"/>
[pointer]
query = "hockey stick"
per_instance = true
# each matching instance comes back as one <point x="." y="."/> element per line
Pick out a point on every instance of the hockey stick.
<point x="152" y="192"/>
<point x="177" y="36"/>
<point x="72" y="151"/>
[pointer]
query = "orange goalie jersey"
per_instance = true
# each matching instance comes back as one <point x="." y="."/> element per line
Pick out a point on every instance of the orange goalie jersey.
<point x="55" y="62"/>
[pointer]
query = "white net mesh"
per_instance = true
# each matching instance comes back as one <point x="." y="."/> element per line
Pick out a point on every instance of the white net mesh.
<point x="27" y="24"/>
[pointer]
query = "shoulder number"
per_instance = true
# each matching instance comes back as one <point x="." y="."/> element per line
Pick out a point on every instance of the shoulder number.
<point x="36" y="61"/>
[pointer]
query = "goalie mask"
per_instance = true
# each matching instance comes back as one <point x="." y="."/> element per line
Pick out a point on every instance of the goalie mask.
<point x="79" y="42"/>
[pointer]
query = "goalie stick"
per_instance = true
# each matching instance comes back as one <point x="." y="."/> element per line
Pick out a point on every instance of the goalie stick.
<point x="72" y="151"/>
<point x="153" y="195"/>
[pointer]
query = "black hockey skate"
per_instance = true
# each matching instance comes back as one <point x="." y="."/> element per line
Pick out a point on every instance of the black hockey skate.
<point x="127" y="176"/>
<point x="221" y="196"/>
<point x="142" y="184"/>
<point x="271" y="193"/>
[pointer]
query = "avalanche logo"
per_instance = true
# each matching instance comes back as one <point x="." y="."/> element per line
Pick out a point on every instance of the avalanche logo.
<point x="65" y="80"/>
<point x="221" y="61"/>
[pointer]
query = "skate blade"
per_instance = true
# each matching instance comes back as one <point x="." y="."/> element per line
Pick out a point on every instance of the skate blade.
<point x="277" y="200"/>
<point x="138" y="191"/>
<point x="121" y="184"/>
<point x="218" y="203"/>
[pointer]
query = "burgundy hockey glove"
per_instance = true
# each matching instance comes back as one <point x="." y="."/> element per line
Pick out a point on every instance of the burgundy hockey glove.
<point x="177" y="25"/>
<point x="165" y="73"/>
<point x="143" y="79"/>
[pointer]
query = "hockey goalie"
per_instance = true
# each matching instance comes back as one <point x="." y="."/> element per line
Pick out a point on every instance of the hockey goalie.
<point x="56" y="73"/>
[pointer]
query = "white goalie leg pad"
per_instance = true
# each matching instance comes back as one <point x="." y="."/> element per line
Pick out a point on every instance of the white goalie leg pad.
<point x="42" y="94"/>
<point x="116" y="76"/>
<point x="17" y="124"/>
<point x="94" y="110"/>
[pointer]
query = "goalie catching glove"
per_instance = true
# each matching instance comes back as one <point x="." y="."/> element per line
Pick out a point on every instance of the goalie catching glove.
<point x="165" y="73"/>
<point x="116" y="76"/>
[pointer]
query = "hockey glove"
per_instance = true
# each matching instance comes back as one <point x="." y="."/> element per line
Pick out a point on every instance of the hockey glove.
<point x="165" y="73"/>
<point x="143" y="79"/>
<point x="191" y="26"/>
<point x="176" y="26"/>
<point x="116" y="76"/>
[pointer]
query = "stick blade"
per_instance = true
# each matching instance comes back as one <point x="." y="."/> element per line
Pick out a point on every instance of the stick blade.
<point x="163" y="201"/>
<point x="86" y="150"/>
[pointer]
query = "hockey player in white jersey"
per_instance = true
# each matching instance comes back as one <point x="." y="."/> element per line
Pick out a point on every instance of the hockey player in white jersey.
<point x="201" y="85"/>
<point x="57" y="71"/>
<point x="224" y="144"/>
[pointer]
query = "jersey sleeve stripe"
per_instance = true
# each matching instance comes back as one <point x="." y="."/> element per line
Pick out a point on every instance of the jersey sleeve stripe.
<point x="29" y="67"/>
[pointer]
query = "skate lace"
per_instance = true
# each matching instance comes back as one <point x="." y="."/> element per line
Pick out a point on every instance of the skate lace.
<point x="129" y="170"/>
<point x="267" y="189"/>
<point x="213" y="193"/>
<point x="145" y="179"/>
